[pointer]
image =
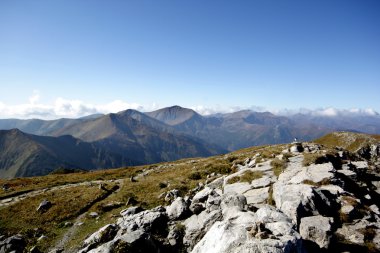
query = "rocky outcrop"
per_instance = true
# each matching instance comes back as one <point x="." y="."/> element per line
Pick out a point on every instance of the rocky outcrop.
<point x="329" y="206"/>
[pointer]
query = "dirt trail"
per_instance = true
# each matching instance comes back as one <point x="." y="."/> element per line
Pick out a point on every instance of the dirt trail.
<point x="71" y="232"/>
<point x="15" y="199"/>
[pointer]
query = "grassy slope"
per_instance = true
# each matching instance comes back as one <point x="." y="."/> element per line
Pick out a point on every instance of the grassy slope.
<point x="183" y="175"/>
<point x="348" y="140"/>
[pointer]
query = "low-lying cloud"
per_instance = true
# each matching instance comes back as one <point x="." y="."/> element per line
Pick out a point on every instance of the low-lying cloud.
<point x="61" y="108"/>
<point x="69" y="108"/>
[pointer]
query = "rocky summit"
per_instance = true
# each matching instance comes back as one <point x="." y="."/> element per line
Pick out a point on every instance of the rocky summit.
<point x="300" y="197"/>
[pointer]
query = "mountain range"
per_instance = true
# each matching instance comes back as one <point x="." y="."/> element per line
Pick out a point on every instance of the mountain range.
<point x="131" y="137"/>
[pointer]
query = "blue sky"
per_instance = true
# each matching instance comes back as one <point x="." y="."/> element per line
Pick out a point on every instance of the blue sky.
<point x="70" y="58"/>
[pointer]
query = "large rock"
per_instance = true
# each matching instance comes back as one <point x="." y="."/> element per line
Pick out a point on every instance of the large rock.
<point x="315" y="173"/>
<point x="246" y="232"/>
<point x="236" y="201"/>
<point x="133" y="234"/>
<point x="201" y="196"/>
<point x="103" y="235"/>
<point x="257" y="196"/>
<point x="317" y="229"/>
<point x="237" y="188"/>
<point x="178" y="209"/>
<point x="197" y="225"/>
<point x="132" y="242"/>
<point x="15" y="244"/>
<point x="147" y="221"/>
<point x="359" y="231"/>
<point x="296" y="201"/>
<point x="198" y="203"/>
<point x="213" y="201"/>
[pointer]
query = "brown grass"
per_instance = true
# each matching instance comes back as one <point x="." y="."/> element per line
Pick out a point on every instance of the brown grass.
<point x="247" y="176"/>
<point x="309" y="159"/>
<point x="318" y="184"/>
<point x="278" y="166"/>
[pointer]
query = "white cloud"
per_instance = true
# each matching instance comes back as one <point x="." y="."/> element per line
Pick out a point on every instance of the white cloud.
<point x="74" y="108"/>
<point x="35" y="97"/>
<point x="330" y="112"/>
<point x="61" y="108"/>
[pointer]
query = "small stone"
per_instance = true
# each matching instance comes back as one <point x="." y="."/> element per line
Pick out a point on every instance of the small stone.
<point x="44" y="206"/>
<point x="42" y="237"/>
<point x="93" y="214"/>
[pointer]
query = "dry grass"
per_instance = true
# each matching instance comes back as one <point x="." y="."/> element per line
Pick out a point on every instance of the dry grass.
<point x="309" y="159"/>
<point x="347" y="140"/>
<point x="278" y="166"/>
<point x="317" y="184"/>
<point x="20" y="185"/>
<point x="270" y="200"/>
<point x="247" y="176"/>
<point x="22" y="217"/>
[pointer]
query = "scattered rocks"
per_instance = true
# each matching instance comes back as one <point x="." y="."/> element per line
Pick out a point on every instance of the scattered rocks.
<point x="315" y="208"/>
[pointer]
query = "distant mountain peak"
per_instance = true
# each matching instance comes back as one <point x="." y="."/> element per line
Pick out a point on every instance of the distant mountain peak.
<point x="173" y="115"/>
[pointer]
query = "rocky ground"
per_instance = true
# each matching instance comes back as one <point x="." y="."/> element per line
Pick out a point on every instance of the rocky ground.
<point x="306" y="199"/>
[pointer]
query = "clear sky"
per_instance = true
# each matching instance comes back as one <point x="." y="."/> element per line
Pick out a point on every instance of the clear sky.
<point x="74" y="57"/>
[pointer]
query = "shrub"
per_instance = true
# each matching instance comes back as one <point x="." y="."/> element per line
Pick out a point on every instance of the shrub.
<point x="286" y="156"/>
<point x="65" y="171"/>
<point x="230" y="159"/>
<point x="219" y="168"/>
<point x="270" y="200"/>
<point x="162" y="185"/>
<point x="195" y="176"/>
<point x="233" y="180"/>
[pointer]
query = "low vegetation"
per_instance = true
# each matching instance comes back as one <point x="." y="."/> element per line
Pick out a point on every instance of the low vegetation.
<point x="247" y="176"/>
<point x="319" y="158"/>
<point x="317" y="184"/>
<point x="347" y="140"/>
<point x="316" y="158"/>
<point x="278" y="166"/>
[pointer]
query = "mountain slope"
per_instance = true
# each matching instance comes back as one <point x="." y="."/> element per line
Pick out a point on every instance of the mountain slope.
<point x="41" y="127"/>
<point x="139" y="136"/>
<point x="302" y="197"/>
<point x="239" y="129"/>
<point x="348" y="140"/>
<point x="24" y="154"/>
<point x="173" y="115"/>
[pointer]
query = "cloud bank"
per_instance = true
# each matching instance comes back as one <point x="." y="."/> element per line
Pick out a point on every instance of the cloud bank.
<point x="69" y="108"/>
